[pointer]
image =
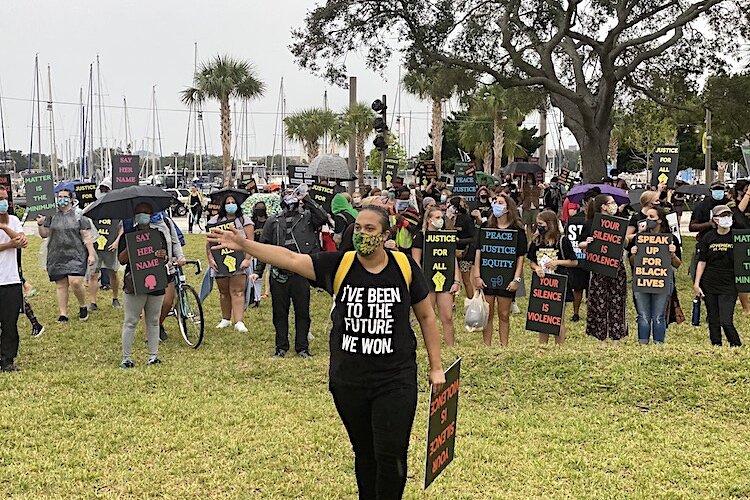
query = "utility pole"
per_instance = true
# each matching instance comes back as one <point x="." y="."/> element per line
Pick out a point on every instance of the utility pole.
<point x="352" y="138"/>
<point x="543" y="135"/>
<point x="707" y="149"/>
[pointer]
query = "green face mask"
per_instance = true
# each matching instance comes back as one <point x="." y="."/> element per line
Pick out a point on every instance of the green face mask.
<point x="366" y="244"/>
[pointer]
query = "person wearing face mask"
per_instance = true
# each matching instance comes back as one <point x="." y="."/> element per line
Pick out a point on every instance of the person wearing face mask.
<point x="553" y="195"/>
<point x="357" y="199"/>
<point x="136" y="305"/>
<point x="651" y="308"/>
<point x="714" y="277"/>
<point x="232" y="284"/>
<point x="70" y="251"/>
<point x="484" y="206"/>
<point x="458" y="218"/>
<point x="259" y="218"/>
<point x="12" y="239"/>
<point x="295" y="229"/>
<point x="373" y="369"/>
<point x="607" y="297"/>
<point x="701" y="221"/>
<point x="649" y="200"/>
<point x="406" y="221"/>
<point x="433" y="221"/>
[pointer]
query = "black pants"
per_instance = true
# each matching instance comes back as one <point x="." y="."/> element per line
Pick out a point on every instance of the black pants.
<point x="720" y="314"/>
<point x="378" y="421"/>
<point x="196" y="217"/>
<point x="11" y="298"/>
<point x="295" y="291"/>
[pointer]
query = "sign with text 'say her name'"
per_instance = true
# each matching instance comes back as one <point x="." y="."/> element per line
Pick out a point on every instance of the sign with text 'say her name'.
<point x="125" y="170"/>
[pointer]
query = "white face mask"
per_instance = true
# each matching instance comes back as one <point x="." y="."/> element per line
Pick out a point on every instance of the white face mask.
<point x="725" y="222"/>
<point x="437" y="224"/>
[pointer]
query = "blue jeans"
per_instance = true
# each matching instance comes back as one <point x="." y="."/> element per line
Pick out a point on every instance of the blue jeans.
<point x="652" y="309"/>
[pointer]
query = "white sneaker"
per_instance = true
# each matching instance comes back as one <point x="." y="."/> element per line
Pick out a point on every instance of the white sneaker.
<point x="224" y="323"/>
<point x="514" y="308"/>
<point x="310" y="337"/>
<point x="240" y="327"/>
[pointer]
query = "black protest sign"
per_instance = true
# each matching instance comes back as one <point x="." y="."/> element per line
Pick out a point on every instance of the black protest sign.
<point x="441" y="425"/>
<point x="125" y="170"/>
<point x="573" y="230"/>
<point x="107" y="233"/>
<point x="149" y="271"/>
<point x="322" y="195"/>
<point x="498" y="253"/>
<point x="604" y="254"/>
<point x="227" y="260"/>
<point x="8" y="185"/>
<point x="651" y="263"/>
<point x="465" y="183"/>
<point x="741" y="252"/>
<point x="564" y="177"/>
<point x="664" y="170"/>
<point x="298" y="175"/>
<point x="439" y="259"/>
<point x="85" y="194"/>
<point x="429" y="170"/>
<point x="248" y="184"/>
<point x="546" y="303"/>
<point x="40" y="194"/>
<point x="390" y="171"/>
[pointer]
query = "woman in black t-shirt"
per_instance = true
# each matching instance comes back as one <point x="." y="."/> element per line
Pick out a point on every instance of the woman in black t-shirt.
<point x="551" y="252"/>
<point x="461" y="221"/>
<point x="373" y="369"/>
<point x="714" y="277"/>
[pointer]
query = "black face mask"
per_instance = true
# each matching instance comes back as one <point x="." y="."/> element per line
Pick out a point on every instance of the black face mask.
<point x="260" y="212"/>
<point x="650" y="223"/>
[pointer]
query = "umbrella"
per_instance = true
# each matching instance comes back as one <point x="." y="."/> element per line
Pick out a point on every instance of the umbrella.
<point x="272" y="201"/>
<point x="693" y="189"/>
<point x="330" y="167"/>
<point x="121" y="203"/>
<point x="520" y="167"/>
<point x="576" y="194"/>
<point x="240" y="195"/>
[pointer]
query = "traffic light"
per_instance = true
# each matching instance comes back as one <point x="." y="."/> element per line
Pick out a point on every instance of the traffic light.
<point x="380" y="124"/>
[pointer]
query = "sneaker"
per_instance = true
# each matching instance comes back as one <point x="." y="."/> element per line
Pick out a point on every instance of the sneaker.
<point x="162" y="334"/>
<point x="83" y="313"/>
<point x="105" y="287"/>
<point x="575" y="318"/>
<point x="240" y="327"/>
<point x="10" y="367"/>
<point x="514" y="308"/>
<point x="310" y="337"/>
<point x="93" y="307"/>
<point x="127" y="363"/>
<point x="223" y="323"/>
<point x="116" y="304"/>
<point x="62" y="319"/>
<point x="154" y="360"/>
<point x="37" y="330"/>
<point x="305" y="354"/>
<point x="279" y="353"/>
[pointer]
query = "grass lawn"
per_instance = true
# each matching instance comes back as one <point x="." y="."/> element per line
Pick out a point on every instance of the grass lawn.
<point x="227" y="421"/>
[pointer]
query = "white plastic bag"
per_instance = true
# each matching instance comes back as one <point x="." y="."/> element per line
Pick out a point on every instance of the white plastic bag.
<point x="476" y="312"/>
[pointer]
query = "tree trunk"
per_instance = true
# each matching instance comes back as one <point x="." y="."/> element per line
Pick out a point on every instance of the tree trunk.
<point x="498" y="140"/>
<point x="226" y="141"/>
<point x="593" y="156"/>
<point x="437" y="134"/>
<point x="487" y="160"/>
<point x="361" y="159"/>
<point x="312" y="149"/>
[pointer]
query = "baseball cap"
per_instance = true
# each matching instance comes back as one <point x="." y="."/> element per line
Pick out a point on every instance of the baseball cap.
<point x="718" y="210"/>
<point x="717" y="185"/>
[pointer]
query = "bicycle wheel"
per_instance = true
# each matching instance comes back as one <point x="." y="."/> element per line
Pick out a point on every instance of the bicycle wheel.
<point x="190" y="317"/>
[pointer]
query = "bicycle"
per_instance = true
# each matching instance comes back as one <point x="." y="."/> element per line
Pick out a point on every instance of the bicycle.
<point x="187" y="309"/>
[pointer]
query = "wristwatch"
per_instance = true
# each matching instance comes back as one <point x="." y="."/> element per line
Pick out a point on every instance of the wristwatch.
<point x="518" y="280"/>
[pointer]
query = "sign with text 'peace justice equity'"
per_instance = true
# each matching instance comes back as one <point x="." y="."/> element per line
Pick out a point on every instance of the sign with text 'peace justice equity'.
<point x="85" y="194"/>
<point x="465" y="183"/>
<point x="125" y="170"/>
<point x="322" y="195"/>
<point x="651" y="263"/>
<point x="439" y="259"/>
<point x="664" y="170"/>
<point x="741" y="253"/>
<point x="149" y="271"/>
<point x="40" y="194"/>
<point x="441" y="424"/>
<point x="498" y="250"/>
<point x="227" y="260"/>
<point x="106" y="233"/>
<point x="546" y="303"/>
<point x="604" y="254"/>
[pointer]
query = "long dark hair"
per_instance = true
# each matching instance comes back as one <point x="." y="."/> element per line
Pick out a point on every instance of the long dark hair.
<point x="553" y="228"/>
<point x="511" y="211"/>
<point x="595" y="206"/>
<point x="663" y="222"/>
<point x="223" y="211"/>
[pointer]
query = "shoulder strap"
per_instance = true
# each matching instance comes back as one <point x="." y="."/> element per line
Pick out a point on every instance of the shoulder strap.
<point x="344" y="266"/>
<point x="403" y="264"/>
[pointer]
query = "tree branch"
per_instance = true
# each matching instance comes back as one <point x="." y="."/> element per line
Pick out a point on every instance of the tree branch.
<point x="628" y="81"/>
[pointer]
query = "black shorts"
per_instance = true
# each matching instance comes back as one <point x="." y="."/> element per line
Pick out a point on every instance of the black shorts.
<point x="58" y="277"/>
<point x="499" y="292"/>
<point x="578" y="279"/>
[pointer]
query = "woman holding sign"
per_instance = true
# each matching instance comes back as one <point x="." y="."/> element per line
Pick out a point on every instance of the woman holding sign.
<point x="504" y="216"/>
<point x="373" y="368"/>
<point x="231" y="279"/>
<point x="433" y="222"/>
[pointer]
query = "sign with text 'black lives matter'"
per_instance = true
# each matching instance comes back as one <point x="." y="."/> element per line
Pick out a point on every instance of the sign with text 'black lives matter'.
<point x="106" y="233"/>
<point x="546" y="303"/>
<point x="651" y="263"/>
<point x="573" y="230"/>
<point x="604" y="254"/>
<point x="149" y="271"/>
<point x="498" y="256"/>
<point x="664" y="170"/>
<point x="125" y="170"/>
<point x="85" y="194"/>
<point x="465" y="183"/>
<point x="439" y="259"/>
<point x="441" y="424"/>
<point x="40" y="194"/>
<point x="322" y="195"/>
<point x="741" y="252"/>
<point x="227" y="260"/>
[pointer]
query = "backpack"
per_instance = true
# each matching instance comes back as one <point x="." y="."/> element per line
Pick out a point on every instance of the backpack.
<point x="348" y="260"/>
<point x="177" y="230"/>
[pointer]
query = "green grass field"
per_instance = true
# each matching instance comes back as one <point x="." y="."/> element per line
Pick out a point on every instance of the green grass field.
<point x="228" y="421"/>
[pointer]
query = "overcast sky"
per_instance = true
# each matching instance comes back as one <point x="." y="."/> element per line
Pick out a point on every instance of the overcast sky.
<point x="144" y="43"/>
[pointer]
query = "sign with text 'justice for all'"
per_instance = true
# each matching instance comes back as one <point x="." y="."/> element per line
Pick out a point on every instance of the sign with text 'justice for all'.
<point x="149" y="271"/>
<point x="546" y="303"/>
<point x="322" y="195"/>
<point x="665" y="161"/>
<point x="439" y="259"/>
<point x="604" y="254"/>
<point x="125" y="170"/>
<point x="227" y="260"/>
<point x="85" y="194"/>
<point x="441" y="425"/>
<point x="107" y="230"/>
<point x="651" y="263"/>
<point x="498" y="253"/>
<point x="741" y="252"/>
<point x="40" y="194"/>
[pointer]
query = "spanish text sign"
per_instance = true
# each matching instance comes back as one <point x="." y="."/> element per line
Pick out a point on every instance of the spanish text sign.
<point x="441" y="426"/>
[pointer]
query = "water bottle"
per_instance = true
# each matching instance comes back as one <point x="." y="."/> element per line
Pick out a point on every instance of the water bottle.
<point x="696" y="311"/>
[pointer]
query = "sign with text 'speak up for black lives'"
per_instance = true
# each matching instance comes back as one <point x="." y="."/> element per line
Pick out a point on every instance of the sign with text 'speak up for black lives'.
<point x="651" y="263"/>
<point x="664" y="170"/>
<point x="604" y="254"/>
<point x="125" y="170"/>
<point x="441" y="425"/>
<point x="40" y="194"/>
<point x="741" y="251"/>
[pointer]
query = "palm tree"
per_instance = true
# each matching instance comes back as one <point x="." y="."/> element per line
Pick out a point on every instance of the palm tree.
<point x="222" y="78"/>
<point x="357" y="120"/>
<point x="437" y="84"/>
<point x="308" y="127"/>
<point x="475" y="135"/>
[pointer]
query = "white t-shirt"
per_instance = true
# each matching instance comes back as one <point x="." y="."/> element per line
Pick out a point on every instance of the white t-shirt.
<point x="8" y="261"/>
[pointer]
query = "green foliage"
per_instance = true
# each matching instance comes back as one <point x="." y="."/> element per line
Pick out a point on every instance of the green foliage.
<point x="221" y="78"/>
<point x="451" y="142"/>
<point x="309" y="126"/>
<point x="438" y="82"/>
<point x="395" y="150"/>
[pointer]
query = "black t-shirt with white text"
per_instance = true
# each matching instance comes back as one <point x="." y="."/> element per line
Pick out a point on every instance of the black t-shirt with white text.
<point x="371" y="339"/>
<point x="717" y="251"/>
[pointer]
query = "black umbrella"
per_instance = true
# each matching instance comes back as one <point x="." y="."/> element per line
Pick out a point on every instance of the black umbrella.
<point x="519" y="167"/>
<point x="239" y="195"/>
<point x="121" y="203"/>
<point x="693" y="189"/>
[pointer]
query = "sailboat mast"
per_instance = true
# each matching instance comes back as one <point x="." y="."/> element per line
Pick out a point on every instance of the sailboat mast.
<point x="325" y="135"/>
<point x="195" y="115"/>
<point x="153" y="131"/>
<point x="99" y="103"/>
<point x="53" y="145"/>
<point x="90" y="100"/>
<point x="38" y="111"/>
<point x="83" y="135"/>
<point x="127" y="125"/>
<point x="2" y="129"/>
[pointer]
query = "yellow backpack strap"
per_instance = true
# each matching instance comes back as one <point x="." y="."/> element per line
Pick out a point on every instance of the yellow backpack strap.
<point x="343" y="270"/>
<point x="403" y="264"/>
